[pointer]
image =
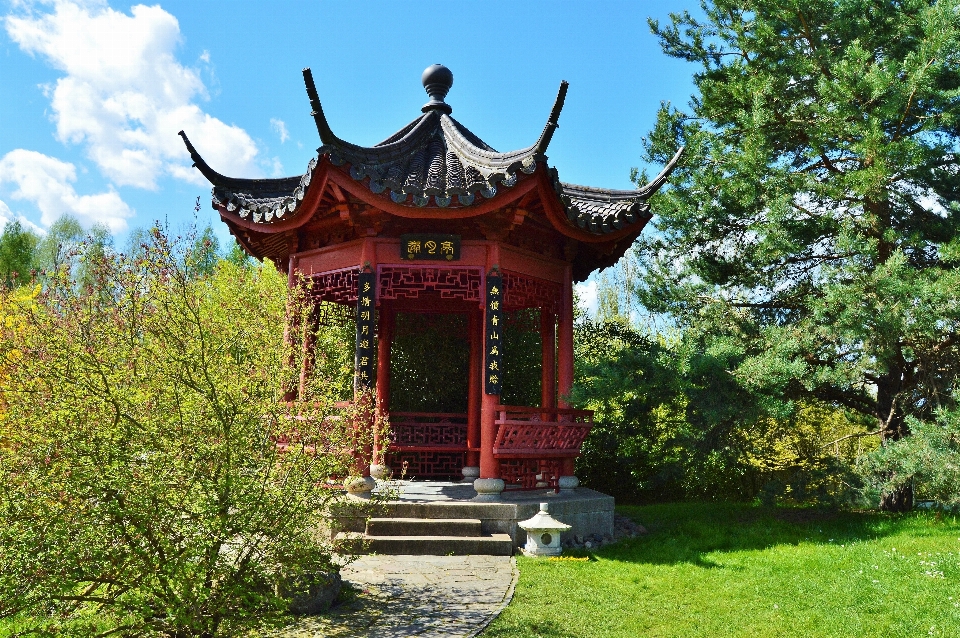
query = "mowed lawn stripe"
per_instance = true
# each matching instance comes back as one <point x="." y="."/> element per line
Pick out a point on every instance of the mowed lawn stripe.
<point x="709" y="569"/>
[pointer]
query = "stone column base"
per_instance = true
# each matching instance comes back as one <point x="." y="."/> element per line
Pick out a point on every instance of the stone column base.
<point x="488" y="489"/>
<point x="380" y="472"/>
<point x="360" y="486"/>
<point x="568" y="483"/>
<point x="470" y="473"/>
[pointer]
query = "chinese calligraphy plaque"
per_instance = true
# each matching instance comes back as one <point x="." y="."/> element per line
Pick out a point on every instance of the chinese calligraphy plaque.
<point x="366" y="303"/>
<point x="430" y="247"/>
<point x="493" y="358"/>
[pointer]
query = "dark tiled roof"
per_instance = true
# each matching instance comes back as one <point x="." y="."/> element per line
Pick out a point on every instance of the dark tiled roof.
<point x="433" y="161"/>
<point x="598" y="211"/>
<point x="604" y="210"/>
<point x="262" y="200"/>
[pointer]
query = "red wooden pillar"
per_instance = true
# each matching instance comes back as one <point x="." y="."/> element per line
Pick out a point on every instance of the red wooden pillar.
<point x="385" y="326"/>
<point x="475" y="390"/>
<point x="548" y="361"/>
<point x="565" y="354"/>
<point x="489" y="466"/>
<point x="565" y="336"/>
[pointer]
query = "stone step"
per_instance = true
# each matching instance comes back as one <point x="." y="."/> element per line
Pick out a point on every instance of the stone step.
<point x="488" y="545"/>
<point x="423" y="527"/>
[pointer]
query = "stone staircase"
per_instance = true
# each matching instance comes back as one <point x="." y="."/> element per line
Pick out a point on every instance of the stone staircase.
<point x="425" y="536"/>
<point x="439" y="519"/>
<point x="433" y="529"/>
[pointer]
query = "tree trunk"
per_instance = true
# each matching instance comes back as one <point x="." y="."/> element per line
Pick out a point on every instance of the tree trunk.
<point x="894" y="427"/>
<point x="898" y="500"/>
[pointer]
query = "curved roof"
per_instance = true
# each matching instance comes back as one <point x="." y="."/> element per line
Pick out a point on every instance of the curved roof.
<point x="433" y="162"/>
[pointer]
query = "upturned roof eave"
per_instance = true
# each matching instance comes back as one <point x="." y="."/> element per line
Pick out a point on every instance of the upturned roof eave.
<point x="400" y="177"/>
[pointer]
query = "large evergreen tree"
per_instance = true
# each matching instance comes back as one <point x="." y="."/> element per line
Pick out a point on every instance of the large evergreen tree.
<point x="814" y="227"/>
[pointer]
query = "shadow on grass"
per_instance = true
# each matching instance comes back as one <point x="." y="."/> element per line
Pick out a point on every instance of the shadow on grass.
<point x="688" y="532"/>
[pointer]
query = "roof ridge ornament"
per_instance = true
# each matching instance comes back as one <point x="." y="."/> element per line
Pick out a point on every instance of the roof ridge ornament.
<point x="552" y="122"/>
<point x="654" y="185"/>
<point x="326" y="134"/>
<point x="212" y="176"/>
<point x="437" y="80"/>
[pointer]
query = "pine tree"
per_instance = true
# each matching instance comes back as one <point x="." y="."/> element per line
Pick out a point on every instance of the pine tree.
<point x="813" y="227"/>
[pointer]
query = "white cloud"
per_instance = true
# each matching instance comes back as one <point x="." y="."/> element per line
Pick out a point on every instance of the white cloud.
<point x="7" y="216"/>
<point x="587" y="297"/>
<point x="124" y="95"/>
<point x="281" y="128"/>
<point x="47" y="183"/>
<point x="275" y="166"/>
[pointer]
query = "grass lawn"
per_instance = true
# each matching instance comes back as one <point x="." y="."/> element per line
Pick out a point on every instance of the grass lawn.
<point x="708" y="569"/>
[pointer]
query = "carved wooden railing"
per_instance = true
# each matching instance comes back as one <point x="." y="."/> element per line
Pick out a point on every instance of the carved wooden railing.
<point x="427" y="444"/>
<point x="439" y="431"/>
<point x="540" y="433"/>
<point x="530" y="443"/>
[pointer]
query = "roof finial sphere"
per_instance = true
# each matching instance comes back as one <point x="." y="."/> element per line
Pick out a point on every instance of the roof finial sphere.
<point x="437" y="80"/>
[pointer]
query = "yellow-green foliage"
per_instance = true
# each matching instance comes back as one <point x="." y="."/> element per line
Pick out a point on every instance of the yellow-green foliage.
<point x="144" y="490"/>
<point x="12" y="321"/>
<point x="805" y="454"/>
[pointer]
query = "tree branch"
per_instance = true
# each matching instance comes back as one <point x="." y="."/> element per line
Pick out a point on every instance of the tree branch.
<point x="855" y="435"/>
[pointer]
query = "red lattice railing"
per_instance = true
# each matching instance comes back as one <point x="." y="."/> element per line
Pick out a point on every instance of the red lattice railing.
<point x="338" y="286"/>
<point x="439" y="431"/>
<point x="530" y="473"/>
<point x="531" y="443"/>
<point x="538" y="433"/>
<point x="417" y="465"/>
<point x="427" y="444"/>
<point x="524" y="291"/>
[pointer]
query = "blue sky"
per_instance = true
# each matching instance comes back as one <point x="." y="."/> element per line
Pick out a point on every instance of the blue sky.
<point x="94" y="92"/>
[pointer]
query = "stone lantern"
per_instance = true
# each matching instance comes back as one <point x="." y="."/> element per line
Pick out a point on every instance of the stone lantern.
<point x="543" y="533"/>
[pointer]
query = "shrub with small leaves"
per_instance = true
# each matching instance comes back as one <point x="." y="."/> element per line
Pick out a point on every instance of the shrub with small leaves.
<point x="153" y="481"/>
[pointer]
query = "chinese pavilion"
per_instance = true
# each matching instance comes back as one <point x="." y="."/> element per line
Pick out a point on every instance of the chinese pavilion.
<point x="433" y="220"/>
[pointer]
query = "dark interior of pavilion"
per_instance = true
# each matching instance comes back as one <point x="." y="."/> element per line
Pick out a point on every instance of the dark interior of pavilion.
<point x="429" y="371"/>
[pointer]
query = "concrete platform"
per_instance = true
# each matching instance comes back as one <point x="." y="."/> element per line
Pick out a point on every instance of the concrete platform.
<point x="585" y="510"/>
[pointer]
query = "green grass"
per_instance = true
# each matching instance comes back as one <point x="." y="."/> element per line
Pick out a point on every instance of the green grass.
<point x="709" y="569"/>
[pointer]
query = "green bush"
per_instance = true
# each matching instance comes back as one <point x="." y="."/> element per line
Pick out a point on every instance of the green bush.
<point x="143" y="490"/>
<point x="672" y="422"/>
<point x="928" y="461"/>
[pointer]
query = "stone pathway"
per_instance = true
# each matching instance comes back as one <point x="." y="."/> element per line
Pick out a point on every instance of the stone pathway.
<point x="423" y="596"/>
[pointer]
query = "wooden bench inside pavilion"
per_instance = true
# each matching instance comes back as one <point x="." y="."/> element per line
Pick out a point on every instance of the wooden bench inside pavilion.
<point x="433" y="222"/>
